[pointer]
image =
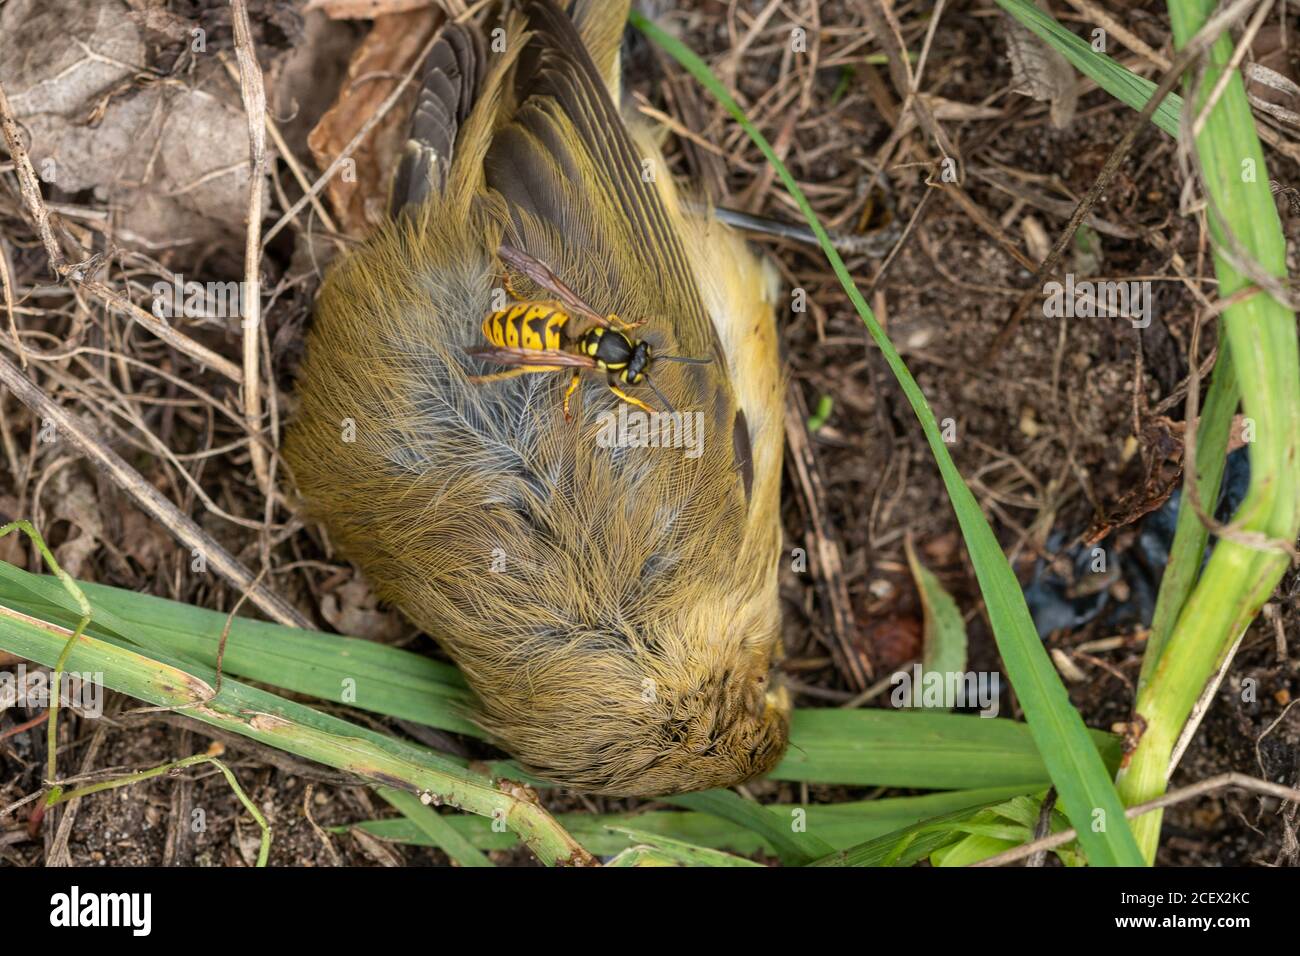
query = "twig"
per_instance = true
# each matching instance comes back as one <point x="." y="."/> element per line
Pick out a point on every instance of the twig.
<point x="253" y="91"/>
<point x="181" y="343"/>
<point x="225" y="634"/>
<point x="825" y="543"/>
<point x="1113" y="27"/>
<point x="31" y="192"/>
<point x="27" y="184"/>
<point x="7" y="281"/>
<point x="148" y="497"/>
<point x="1246" y="42"/>
<point x="1200" y="708"/>
<point x="1044" y="827"/>
<point x="902" y="240"/>
<point x="1259" y="756"/>
<point x="321" y="835"/>
<point x="285" y="153"/>
<point x="1191" y="418"/>
<point x="1198" y="789"/>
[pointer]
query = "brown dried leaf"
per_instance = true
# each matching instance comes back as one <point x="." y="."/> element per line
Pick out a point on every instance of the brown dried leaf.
<point x="352" y="609"/>
<point x="359" y="199"/>
<point x="59" y="54"/>
<point x="1268" y="90"/>
<point x="1040" y="72"/>
<point x="144" y="539"/>
<point x="76" y="501"/>
<point x="171" y="158"/>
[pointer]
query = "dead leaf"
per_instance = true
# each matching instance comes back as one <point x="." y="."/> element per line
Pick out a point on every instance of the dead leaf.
<point x="75" y="501"/>
<point x="144" y="539"/>
<point x="359" y="194"/>
<point x="891" y="641"/>
<point x="171" y="157"/>
<point x="352" y="609"/>
<point x="1040" y="72"/>
<point x="60" y="54"/>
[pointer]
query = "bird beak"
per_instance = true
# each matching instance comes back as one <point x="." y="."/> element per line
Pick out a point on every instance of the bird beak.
<point x="778" y="699"/>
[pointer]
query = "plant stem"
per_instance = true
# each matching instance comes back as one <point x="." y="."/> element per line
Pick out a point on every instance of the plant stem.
<point x="1260" y="332"/>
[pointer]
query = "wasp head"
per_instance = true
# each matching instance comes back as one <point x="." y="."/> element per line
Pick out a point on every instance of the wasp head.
<point x="638" y="364"/>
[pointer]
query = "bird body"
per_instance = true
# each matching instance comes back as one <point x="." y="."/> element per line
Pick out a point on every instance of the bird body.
<point x="615" y="609"/>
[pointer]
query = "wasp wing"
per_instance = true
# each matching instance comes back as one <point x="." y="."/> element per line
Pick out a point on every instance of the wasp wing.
<point x="544" y="278"/>
<point x="507" y="356"/>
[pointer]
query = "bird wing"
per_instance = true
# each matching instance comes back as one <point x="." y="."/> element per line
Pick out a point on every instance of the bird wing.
<point x="451" y="76"/>
<point x="564" y="157"/>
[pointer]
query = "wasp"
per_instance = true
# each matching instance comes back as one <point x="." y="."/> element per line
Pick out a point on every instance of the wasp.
<point x="535" y="336"/>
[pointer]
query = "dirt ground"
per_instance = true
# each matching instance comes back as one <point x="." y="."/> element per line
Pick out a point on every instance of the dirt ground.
<point x="1059" y="425"/>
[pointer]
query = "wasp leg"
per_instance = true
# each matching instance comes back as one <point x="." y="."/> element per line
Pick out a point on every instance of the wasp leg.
<point x="509" y="287"/>
<point x="629" y="399"/>
<point x="623" y="325"/>
<point x="513" y="373"/>
<point x="568" y="393"/>
<point x="610" y="321"/>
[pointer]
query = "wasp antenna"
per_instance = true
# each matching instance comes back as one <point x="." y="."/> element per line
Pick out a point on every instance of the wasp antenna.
<point x="668" y="406"/>
<point x="683" y="359"/>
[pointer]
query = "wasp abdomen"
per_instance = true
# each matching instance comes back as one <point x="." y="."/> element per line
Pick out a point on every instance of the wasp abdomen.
<point x="526" y="325"/>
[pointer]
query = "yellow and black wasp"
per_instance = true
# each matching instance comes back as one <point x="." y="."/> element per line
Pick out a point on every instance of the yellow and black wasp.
<point x="534" y="335"/>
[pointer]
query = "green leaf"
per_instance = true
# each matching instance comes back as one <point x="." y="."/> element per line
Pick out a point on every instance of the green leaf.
<point x="971" y="849"/>
<point x="821" y="415"/>
<point x="435" y="826"/>
<point x="189" y="689"/>
<point x="1261" y="338"/>
<point x="907" y="845"/>
<point x="944" y="637"/>
<point x="671" y="852"/>
<point x="842" y="825"/>
<point x="794" y="848"/>
<point x="372" y="676"/>
<point x="868" y="748"/>
<point x="916" y="749"/>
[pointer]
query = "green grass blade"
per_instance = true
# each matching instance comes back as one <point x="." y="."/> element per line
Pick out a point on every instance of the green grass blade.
<point x="1262" y="343"/>
<point x="435" y="826"/>
<point x="863" y="748"/>
<point x="972" y="849"/>
<point x="1187" y="553"/>
<point x="842" y="825"/>
<point x="188" y="689"/>
<point x="342" y="670"/>
<point x="907" y="845"/>
<point x="1119" y="82"/>
<point x="1077" y="771"/>
<point x="667" y="851"/>
<point x="944" y="638"/>
<point x="921" y="750"/>
<point x="793" y="847"/>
